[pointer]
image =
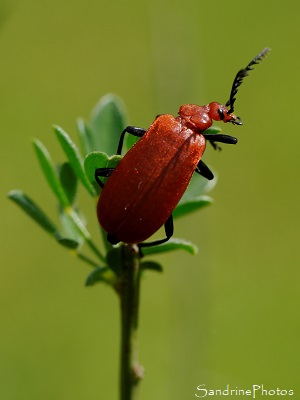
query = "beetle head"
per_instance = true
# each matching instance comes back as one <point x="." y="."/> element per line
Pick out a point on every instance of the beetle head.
<point x="218" y="112"/>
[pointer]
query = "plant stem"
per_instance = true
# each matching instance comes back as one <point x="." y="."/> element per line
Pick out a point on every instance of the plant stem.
<point x="87" y="259"/>
<point x="131" y="372"/>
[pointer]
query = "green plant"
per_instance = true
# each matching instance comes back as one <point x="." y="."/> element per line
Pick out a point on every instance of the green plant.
<point x="119" y="266"/>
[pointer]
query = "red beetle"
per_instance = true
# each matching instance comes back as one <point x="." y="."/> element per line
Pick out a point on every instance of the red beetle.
<point x="145" y="187"/>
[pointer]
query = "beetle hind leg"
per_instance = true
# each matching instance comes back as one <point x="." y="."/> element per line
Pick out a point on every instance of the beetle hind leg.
<point x="169" y="230"/>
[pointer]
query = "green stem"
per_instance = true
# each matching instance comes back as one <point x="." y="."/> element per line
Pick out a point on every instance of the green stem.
<point x="87" y="259"/>
<point x="131" y="372"/>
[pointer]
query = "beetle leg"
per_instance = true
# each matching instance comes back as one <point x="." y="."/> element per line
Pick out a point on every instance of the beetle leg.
<point x="169" y="229"/>
<point x="212" y="138"/>
<point x="215" y="146"/>
<point x="202" y="169"/>
<point x="105" y="172"/>
<point x="133" y="130"/>
<point x="112" y="239"/>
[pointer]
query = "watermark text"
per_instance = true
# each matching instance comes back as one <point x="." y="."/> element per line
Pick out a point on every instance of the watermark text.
<point x="253" y="391"/>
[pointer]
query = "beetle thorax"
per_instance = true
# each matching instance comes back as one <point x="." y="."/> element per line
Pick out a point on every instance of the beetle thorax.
<point x="195" y="117"/>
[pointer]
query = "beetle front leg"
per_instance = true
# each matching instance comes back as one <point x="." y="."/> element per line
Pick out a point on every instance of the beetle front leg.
<point x="133" y="130"/>
<point x="169" y="230"/>
<point x="213" y="138"/>
<point x="104" y="172"/>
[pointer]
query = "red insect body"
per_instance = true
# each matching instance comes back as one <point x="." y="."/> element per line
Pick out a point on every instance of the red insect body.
<point x="153" y="176"/>
<point x="145" y="187"/>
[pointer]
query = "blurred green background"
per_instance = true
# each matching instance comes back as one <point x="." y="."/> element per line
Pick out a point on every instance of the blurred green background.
<point x="229" y="314"/>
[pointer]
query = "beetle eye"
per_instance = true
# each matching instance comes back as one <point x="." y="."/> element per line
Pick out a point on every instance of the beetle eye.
<point x="221" y="113"/>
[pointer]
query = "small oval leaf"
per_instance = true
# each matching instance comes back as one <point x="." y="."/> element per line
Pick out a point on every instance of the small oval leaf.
<point x="74" y="157"/>
<point x="131" y="141"/>
<point x="68" y="180"/>
<point x="100" y="274"/>
<point x="172" y="244"/>
<point x="85" y="136"/>
<point x="67" y="242"/>
<point x="213" y="130"/>
<point x="108" y="120"/>
<point x="69" y="228"/>
<point x="151" y="265"/>
<point x="190" y="205"/>
<point x="198" y="186"/>
<point x="28" y="205"/>
<point x="50" y="172"/>
<point x="96" y="160"/>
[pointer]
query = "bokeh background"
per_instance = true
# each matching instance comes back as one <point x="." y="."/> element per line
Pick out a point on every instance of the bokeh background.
<point x="229" y="315"/>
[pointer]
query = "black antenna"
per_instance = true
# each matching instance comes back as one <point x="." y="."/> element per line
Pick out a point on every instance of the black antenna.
<point x="241" y="75"/>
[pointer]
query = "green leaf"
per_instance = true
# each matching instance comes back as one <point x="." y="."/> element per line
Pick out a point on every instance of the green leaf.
<point x="130" y="140"/>
<point x="85" y="136"/>
<point x="96" y="160"/>
<point x="172" y="244"/>
<point x="100" y="274"/>
<point x="108" y="120"/>
<point x="32" y="210"/>
<point x="67" y="242"/>
<point x="197" y="187"/>
<point x="74" y="157"/>
<point x="213" y="130"/>
<point x="191" y="205"/>
<point x="40" y="217"/>
<point x="70" y="230"/>
<point x="151" y="265"/>
<point x="50" y="172"/>
<point x="68" y="180"/>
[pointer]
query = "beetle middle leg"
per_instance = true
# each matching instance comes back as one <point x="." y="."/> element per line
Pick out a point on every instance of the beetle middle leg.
<point x="202" y="169"/>
<point x="133" y="130"/>
<point x="169" y="230"/>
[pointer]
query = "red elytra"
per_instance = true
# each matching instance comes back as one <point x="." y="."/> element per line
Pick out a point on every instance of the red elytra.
<point x="146" y="186"/>
<point x="149" y="181"/>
